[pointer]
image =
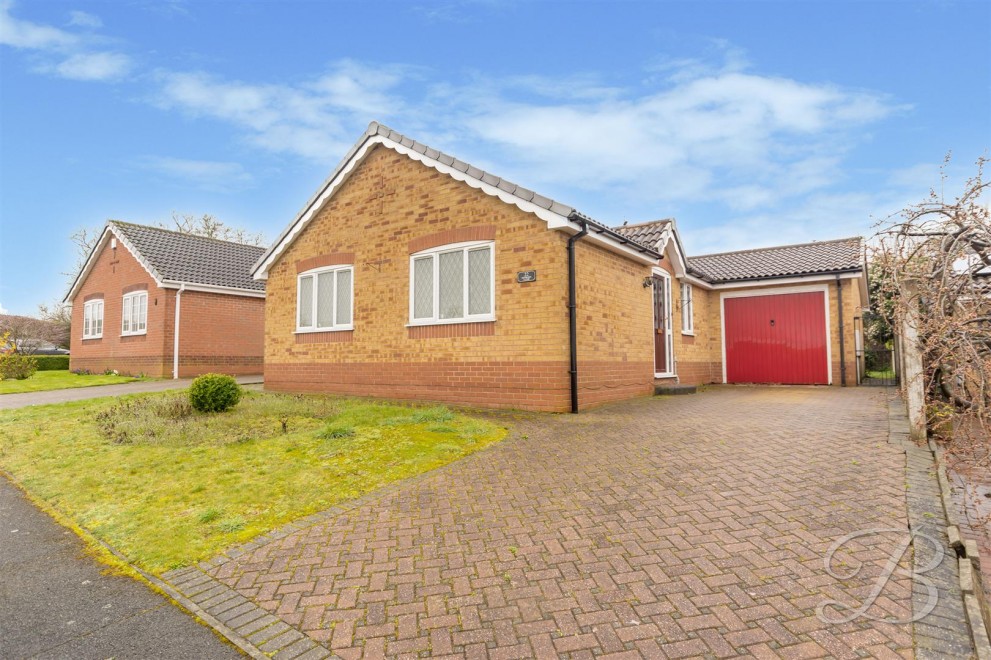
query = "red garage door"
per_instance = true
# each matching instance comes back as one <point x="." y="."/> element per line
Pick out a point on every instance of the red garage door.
<point x="776" y="339"/>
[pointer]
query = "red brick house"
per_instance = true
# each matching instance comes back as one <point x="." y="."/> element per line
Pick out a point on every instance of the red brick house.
<point x="167" y="304"/>
<point x="411" y="274"/>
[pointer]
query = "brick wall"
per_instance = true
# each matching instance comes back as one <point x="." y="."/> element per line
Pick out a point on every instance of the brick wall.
<point x="219" y="332"/>
<point x="698" y="356"/>
<point x="615" y="326"/>
<point x="114" y="272"/>
<point x="391" y="206"/>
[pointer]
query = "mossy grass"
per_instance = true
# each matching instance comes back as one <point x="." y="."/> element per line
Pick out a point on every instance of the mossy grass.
<point x="60" y="380"/>
<point x="167" y="486"/>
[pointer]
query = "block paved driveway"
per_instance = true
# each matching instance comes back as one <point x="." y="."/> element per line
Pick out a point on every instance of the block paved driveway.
<point x="668" y="527"/>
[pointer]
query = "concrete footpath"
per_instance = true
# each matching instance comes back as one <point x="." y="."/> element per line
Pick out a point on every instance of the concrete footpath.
<point x="56" y="601"/>
<point x="20" y="400"/>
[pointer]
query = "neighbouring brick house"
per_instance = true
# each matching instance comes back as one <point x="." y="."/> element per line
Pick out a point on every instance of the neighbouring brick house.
<point x="167" y="304"/>
<point x="411" y="274"/>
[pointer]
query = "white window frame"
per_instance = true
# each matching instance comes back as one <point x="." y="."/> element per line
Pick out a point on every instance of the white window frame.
<point x="127" y="314"/>
<point x="435" y="253"/>
<point x="92" y="310"/>
<point x="314" y="273"/>
<point x="687" y="309"/>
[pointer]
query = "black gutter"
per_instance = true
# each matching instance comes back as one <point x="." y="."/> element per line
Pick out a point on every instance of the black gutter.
<point x="573" y="308"/>
<point x="839" y="311"/>
<point x="579" y="218"/>
<point x="819" y="273"/>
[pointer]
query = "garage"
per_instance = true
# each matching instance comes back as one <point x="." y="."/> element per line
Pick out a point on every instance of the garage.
<point x="780" y="337"/>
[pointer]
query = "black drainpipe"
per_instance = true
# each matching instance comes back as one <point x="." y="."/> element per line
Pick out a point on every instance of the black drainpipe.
<point x="573" y="310"/>
<point x="839" y="310"/>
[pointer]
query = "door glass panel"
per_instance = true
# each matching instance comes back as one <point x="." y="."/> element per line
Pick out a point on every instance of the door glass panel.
<point x="661" y="312"/>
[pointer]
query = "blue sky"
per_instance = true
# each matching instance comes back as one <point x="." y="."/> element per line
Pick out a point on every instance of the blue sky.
<point x="752" y="123"/>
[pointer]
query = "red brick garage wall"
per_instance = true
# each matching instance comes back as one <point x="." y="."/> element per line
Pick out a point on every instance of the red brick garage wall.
<point x="220" y="333"/>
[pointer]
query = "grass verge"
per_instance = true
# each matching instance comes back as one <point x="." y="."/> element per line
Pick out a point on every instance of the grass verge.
<point x="168" y="487"/>
<point x="59" y="380"/>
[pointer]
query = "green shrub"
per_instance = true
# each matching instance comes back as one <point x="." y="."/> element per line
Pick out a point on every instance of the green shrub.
<point x="434" y="414"/>
<point x="17" y="366"/>
<point x="52" y="362"/>
<point x="214" y="393"/>
<point x="334" y="431"/>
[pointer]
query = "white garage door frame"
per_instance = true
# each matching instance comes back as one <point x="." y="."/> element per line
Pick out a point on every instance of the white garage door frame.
<point x="753" y="293"/>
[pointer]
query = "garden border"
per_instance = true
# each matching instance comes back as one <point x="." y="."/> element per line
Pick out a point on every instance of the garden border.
<point x="955" y="628"/>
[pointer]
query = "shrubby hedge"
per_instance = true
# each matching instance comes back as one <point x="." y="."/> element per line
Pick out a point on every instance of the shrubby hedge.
<point x="52" y="362"/>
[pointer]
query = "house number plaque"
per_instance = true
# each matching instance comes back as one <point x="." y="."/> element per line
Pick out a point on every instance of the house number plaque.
<point x="526" y="276"/>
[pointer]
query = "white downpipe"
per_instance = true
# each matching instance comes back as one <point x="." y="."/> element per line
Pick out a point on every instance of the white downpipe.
<point x="175" y="338"/>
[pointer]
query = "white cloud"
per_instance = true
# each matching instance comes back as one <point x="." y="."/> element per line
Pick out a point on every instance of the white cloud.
<point x="741" y="138"/>
<point x="217" y="176"/>
<point x="84" y="20"/>
<point x="3" y="310"/>
<point x="25" y="34"/>
<point x="315" y="119"/>
<point x="61" y="53"/>
<point x="94" y="66"/>
<point x="765" y="152"/>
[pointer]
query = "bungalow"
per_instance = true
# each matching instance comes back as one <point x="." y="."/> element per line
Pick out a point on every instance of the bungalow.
<point x="411" y="274"/>
<point x="164" y="303"/>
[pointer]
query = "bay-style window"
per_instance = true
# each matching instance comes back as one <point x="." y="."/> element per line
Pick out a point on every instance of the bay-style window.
<point x="134" y="317"/>
<point x="325" y="299"/>
<point x="93" y="319"/>
<point x="453" y="284"/>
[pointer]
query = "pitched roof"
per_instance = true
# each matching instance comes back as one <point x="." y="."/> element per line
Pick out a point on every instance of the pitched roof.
<point x="528" y="200"/>
<point x="819" y="257"/>
<point x="180" y="257"/>
<point x="174" y="258"/>
<point x="647" y="233"/>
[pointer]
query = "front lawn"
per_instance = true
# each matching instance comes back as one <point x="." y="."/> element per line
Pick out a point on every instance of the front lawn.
<point x="168" y="486"/>
<point x="59" y="380"/>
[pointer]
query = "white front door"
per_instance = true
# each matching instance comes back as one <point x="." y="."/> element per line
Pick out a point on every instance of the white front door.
<point x="663" y="358"/>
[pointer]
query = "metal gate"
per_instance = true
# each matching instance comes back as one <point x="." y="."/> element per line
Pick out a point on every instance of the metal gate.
<point x="877" y="367"/>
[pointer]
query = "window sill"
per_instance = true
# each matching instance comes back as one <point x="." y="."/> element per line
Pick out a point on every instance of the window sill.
<point x="92" y="337"/>
<point x="479" y="319"/>
<point x="667" y="375"/>
<point x="688" y="334"/>
<point x="309" y="331"/>
<point x="134" y="334"/>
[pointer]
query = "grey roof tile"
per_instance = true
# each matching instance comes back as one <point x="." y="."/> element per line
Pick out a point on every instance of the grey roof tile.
<point x="844" y="254"/>
<point x="647" y="233"/>
<point x="194" y="259"/>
